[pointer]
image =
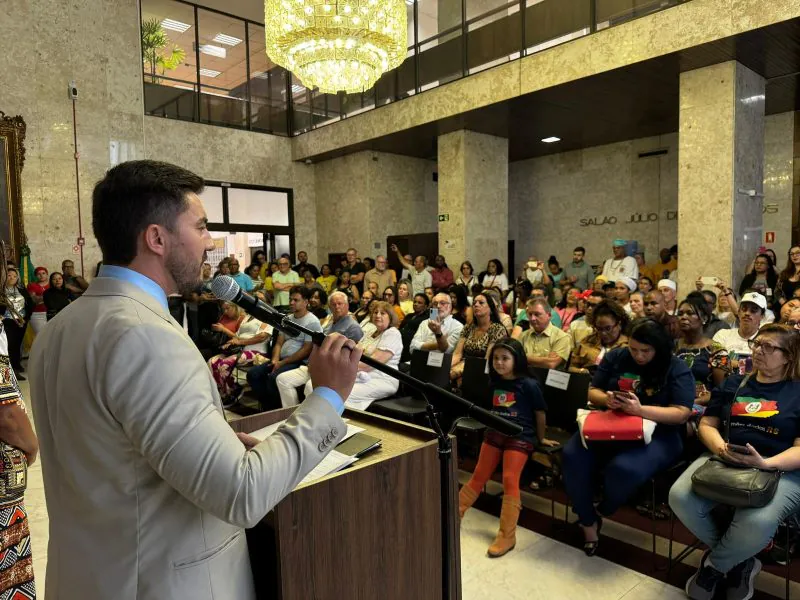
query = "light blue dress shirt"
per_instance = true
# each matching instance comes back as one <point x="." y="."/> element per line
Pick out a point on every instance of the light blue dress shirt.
<point x="151" y="287"/>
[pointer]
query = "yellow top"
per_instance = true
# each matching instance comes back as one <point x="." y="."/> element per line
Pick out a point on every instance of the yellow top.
<point x="329" y="282"/>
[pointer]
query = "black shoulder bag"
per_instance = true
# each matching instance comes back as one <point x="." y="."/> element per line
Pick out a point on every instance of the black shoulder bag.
<point x="734" y="485"/>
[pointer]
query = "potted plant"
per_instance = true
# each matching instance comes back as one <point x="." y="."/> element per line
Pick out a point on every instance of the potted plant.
<point x="155" y="56"/>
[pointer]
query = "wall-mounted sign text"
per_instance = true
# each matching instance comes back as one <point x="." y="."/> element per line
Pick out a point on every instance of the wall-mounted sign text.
<point x="636" y="218"/>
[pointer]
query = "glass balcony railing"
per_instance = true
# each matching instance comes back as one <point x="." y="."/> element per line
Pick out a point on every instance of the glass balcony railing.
<point x="205" y="66"/>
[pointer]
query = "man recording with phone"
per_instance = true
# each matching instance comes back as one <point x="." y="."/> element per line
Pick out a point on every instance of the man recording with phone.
<point x="440" y="332"/>
<point x="145" y="480"/>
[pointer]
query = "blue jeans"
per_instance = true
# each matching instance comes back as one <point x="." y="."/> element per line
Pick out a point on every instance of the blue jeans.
<point x="262" y="382"/>
<point x="751" y="528"/>
<point x="625" y="471"/>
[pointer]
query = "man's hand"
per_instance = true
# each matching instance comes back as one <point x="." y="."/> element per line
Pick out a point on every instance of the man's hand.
<point x="217" y="327"/>
<point x="435" y="326"/>
<point x="393" y="248"/>
<point x="334" y="364"/>
<point x="277" y="365"/>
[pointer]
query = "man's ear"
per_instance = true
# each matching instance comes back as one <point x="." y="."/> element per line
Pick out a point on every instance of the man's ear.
<point x="155" y="239"/>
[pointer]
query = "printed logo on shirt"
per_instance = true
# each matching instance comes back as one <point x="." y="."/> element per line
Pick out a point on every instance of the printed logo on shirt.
<point x="758" y="408"/>
<point x="628" y="382"/>
<point x="503" y="399"/>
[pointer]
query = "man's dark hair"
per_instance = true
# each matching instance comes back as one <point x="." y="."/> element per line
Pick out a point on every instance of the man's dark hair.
<point x="132" y="196"/>
<point x="302" y="290"/>
<point x="580" y="249"/>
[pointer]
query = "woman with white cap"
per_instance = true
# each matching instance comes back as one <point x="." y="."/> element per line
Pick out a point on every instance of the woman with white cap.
<point x="669" y="289"/>
<point x="623" y="288"/>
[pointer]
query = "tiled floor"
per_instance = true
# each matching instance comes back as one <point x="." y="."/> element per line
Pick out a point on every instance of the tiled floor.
<point x="537" y="568"/>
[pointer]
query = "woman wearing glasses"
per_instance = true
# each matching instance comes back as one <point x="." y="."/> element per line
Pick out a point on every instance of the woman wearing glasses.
<point x="764" y="433"/>
<point x="610" y="323"/>
<point x="789" y="279"/>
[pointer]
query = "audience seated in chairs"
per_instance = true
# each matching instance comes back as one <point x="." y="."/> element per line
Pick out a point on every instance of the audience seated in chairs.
<point x="714" y="324"/>
<point x="518" y="398"/>
<point x="765" y="434"/>
<point x="611" y="323"/>
<point x="637" y="305"/>
<point x="221" y="332"/>
<point x="643" y="380"/>
<point x="288" y="353"/>
<point x="582" y="326"/>
<point x="505" y="319"/>
<point x="523" y="324"/>
<point x="385" y="345"/>
<point x="736" y="342"/>
<point x="362" y="313"/>
<point x="655" y="308"/>
<point x="439" y="334"/>
<point x="478" y="337"/>
<point x="318" y="302"/>
<point x="404" y="297"/>
<point x="340" y="321"/>
<point x="248" y="345"/>
<point x="327" y="279"/>
<point x="567" y="308"/>
<point x="408" y="328"/>
<point x="546" y="346"/>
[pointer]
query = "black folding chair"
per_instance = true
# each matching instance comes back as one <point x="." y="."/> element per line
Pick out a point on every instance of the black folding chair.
<point x="414" y="408"/>
<point x="475" y="388"/>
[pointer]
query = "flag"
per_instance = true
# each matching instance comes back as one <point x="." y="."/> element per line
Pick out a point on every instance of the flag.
<point x="754" y="407"/>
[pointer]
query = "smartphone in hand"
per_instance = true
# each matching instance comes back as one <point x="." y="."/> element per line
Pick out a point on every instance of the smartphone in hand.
<point x="434" y="314"/>
<point x="739" y="449"/>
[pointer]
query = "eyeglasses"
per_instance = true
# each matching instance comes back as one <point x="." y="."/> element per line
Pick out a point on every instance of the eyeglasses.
<point x="608" y="329"/>
<point x="766" y="347"/>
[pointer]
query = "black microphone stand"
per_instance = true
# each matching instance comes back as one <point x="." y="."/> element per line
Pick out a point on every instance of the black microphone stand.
<point x="282" y="323"/>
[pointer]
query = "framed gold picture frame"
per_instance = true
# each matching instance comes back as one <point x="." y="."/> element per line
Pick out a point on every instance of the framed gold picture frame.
<point x="12" y="159"/>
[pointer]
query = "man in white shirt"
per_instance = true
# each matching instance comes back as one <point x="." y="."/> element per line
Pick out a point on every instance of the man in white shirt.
<point x="420" y="277"/>
<point x="440" y="334"/>
<point x="620" y="265"/>
<point x="736" y="341"/>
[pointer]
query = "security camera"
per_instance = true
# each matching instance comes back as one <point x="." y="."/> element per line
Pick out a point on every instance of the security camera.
<point x="72" y="90"/>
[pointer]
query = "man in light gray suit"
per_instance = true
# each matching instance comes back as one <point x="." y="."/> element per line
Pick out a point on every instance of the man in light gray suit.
<point x="147" y="486"/>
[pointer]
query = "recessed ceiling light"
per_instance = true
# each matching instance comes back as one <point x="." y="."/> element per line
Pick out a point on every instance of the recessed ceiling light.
<point x="212" y="50"/>
<point x="209" y="72"/>
<point x="228" y="40"/>
<point x="174" y="25"/>
<point x="551" y="139"/>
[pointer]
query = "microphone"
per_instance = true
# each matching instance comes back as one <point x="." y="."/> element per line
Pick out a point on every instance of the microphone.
<point x="225" y="288"/>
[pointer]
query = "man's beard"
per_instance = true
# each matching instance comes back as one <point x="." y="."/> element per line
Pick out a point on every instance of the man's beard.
<point x="186" y="273"/>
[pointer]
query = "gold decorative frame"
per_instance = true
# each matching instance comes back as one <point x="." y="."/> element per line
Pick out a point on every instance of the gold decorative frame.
<point x="12" y="159"/>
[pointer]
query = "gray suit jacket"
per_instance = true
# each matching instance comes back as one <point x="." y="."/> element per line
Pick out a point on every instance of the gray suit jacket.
<point x="147" y="486"/>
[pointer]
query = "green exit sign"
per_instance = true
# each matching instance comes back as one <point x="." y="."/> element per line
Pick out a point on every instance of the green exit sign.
<point x="444" y="217"/>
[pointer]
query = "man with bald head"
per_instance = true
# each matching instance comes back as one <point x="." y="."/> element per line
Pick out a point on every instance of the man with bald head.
<point x="382" y="276"/>
<point x="438" y="334"/>
<point x="655" y="308"/>
<point x="420" y="277"/>
<point x="340" y="321"/>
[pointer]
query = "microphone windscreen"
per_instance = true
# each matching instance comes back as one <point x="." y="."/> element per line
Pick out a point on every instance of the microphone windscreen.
<point x="225" y="287"/>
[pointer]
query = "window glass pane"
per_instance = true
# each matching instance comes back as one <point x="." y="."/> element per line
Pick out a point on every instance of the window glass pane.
<point x="257" y="207"/>
<point x="495" y="37"/>
<point x="267" y="86"/>
<point x="212" y="202"/>
<point x="223" y="70"/>
<point x="548" y="22"/>
<point x="301" y="106"/>
<point x="168" y="60"/>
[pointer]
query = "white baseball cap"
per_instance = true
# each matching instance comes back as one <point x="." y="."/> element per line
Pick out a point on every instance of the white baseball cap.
<point x="756" y="299"/>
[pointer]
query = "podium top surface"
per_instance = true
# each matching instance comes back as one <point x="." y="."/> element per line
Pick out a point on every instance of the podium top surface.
<point x="397" y="437"/>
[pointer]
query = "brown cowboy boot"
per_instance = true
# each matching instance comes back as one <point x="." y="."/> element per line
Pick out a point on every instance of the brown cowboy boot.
<point x="466" y="498"/>
<point x="506" y="538"/>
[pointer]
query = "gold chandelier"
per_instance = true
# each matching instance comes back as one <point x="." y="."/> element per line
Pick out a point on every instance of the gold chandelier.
<point x="336" y="45"/>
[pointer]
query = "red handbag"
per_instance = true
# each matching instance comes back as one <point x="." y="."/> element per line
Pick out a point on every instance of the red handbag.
<point x="613" y="426"/>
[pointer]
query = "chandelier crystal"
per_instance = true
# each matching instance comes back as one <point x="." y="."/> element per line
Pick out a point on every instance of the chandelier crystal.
<point x="336" y="45"/>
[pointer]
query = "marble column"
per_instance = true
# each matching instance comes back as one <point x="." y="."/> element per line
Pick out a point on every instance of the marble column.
<point x="720" y="173"/>
<point x="473" y="194"/>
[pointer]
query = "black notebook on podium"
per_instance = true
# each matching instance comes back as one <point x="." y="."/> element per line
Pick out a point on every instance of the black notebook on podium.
<point x="358" y="445"/>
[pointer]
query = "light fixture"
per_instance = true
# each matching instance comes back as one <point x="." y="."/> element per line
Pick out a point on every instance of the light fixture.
<point x="209" y="72"/>
<point x="297" y="89"/>
<point x="551" y="139"/>
<point x="336" y="45"/>
<point x="228" y="40"/>
<point x="174" y="25"/>
<point x="212" y="50"/>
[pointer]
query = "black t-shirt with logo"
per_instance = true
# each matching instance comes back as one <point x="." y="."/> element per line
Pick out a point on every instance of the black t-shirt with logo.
<point x="766" y="415"/>
<point x="517" y="400"/>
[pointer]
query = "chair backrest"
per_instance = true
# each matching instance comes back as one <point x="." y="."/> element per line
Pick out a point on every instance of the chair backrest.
<point x="438" y="376"/>
<point x="475" y="382"/>
<point x="563" y="405"/>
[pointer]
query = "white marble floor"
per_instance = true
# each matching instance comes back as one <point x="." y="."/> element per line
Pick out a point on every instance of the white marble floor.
<point x="537" y="568"/>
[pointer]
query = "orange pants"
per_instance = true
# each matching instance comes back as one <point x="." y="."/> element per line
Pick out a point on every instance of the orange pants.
<point x="513" y="463"/>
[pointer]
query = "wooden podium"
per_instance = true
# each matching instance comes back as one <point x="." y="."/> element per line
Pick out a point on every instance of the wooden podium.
<point x="370" y="531"/>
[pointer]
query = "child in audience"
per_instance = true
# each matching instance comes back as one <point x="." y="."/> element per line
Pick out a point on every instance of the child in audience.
<point x="518" y="398"/>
